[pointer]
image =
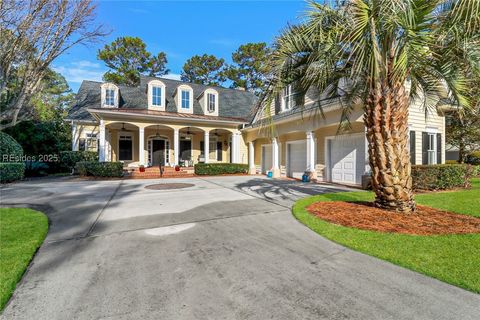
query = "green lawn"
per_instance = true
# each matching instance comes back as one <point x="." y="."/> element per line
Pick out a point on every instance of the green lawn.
<point x="451" y="258"/>
<point x="21" y="233"/>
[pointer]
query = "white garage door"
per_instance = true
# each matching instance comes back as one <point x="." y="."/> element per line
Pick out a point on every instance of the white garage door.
<point x="266" y="158"/>
<point x="297" y="159"/>
<point x="347" y="159"/>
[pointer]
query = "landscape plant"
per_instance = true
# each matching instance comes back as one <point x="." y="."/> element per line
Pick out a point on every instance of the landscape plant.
<point x="381" y="55"/>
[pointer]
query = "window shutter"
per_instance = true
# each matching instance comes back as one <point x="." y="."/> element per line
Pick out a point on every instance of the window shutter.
<point x="424" y="148"/>
<point x="202" y="146"/>
<point x="439" y="148"/>
<point x="219" y="151"/>
<point x="412" y="147"/>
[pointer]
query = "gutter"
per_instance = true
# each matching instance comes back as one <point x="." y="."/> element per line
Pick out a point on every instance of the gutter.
<point x="175" y="119"/>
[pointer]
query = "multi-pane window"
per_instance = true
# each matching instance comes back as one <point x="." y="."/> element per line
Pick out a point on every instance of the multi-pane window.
<point x="288" y="101"/>
<point x="110" y="97"/>
<point x="91" y="143"/>
<point x="156" y="96"/>
<point x="432" y="148"/>
<point x="211" y="100"/>
<point x="185" y="99"/>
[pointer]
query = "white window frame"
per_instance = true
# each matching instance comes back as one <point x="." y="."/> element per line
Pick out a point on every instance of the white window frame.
<point x="156" y="84"/>
<point x="287" y="98"/>
<point x="106" y="90"/>
<point x="180" y="90"/>
<point x="89" y="138"/>
<point x="129" y="134"/>
<point x="213" y="140"/>
<point x="211" y="107"/>
<point x="432" y="153"/>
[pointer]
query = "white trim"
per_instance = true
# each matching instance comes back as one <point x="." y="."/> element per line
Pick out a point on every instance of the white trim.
<point x="181" y="88"/>
<point x="151" y="85"/>
<point x="173" y="119"/>
<point x="166" y="150"/>
<point x="206" y="111"/>
<point x="109" y="86"/>
<point x="432" y="130"/>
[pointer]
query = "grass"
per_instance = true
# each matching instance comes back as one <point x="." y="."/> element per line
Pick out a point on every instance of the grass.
<point x="22" y="231"/>
<point x="450" y="258"/>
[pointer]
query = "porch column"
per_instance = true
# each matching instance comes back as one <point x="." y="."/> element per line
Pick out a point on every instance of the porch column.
<point x="176" y="146"/>
<point x="251" y="158"/>
<point x="206" y="146"/>
<point x="275" y="159"/>
<point x="235" y="148"/>
<point x="74" y="137"/>
<point x="101" y="150"/>
<point x="311" y="155"/>
<point x="141" y="146"/>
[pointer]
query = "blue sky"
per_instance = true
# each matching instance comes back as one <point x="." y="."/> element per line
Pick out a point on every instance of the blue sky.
<point x="181" y="29"/>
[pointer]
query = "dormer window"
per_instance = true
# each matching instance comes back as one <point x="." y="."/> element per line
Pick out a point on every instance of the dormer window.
<point x="288" y="98"/>
<point x="110" y="95"/>
<point x="185" y="99"/>
<point x="156" y="95"/>
<point x="211" y="102"/>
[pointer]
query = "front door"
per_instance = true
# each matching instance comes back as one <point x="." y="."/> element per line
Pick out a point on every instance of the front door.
<point x="158" y="152"/>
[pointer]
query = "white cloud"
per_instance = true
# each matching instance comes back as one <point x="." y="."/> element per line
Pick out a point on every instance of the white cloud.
<point x="77" y="71"/>
<point x="173" y="76"/>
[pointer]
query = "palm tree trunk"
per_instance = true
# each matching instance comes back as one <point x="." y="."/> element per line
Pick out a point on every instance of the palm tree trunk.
<point x="386" y="116"/>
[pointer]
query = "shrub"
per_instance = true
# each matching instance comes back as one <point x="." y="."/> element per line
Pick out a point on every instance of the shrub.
<point x="36" y="169"/>
<point x="10" y="150"/>
<point x="99" y="169"/>
<point x="68" y="159"/>
<point x="476" y="171"/>
<point x="220" y="168"/>
<point x="451" y="161"/>
<point x="11" y="171"/>
<point x="440" y="176"/>
<point x="473" y="158"/>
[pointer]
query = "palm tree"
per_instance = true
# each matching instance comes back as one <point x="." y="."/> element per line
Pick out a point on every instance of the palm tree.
<point x="381" y="54"/>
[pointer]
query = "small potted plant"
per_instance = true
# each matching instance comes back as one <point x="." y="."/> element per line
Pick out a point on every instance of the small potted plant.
<point x="142" y="168"/>
<point x="177" y="168"/>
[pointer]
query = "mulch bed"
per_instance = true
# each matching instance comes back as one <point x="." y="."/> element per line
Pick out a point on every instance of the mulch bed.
<point x="364" y="215"/>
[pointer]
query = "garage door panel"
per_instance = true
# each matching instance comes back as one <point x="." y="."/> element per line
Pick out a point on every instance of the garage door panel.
<point x="297" y="159"/>
<point x="347" y="159"/>
<point x="266" y="158"/>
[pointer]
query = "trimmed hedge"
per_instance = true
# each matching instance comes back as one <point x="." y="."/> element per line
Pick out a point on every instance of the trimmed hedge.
<point x="11" y="171"/>
<point x="11" y="152"/>
<point x="69" y="159"/>
<point x="9" y="149"/>
<point x="99" y="169"/>
<point x="220" y="168"/>
<point x="440" y="176"/>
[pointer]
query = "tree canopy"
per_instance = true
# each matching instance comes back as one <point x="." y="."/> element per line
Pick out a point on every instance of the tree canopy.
<point x="128" y="58"/>
<point x="381" y="54"/>
<point x="205" y="69"/>
<point x="31" y="37"/>
<point x="250" y="67"/>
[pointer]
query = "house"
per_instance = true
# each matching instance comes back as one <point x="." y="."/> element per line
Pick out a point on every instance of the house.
<point x="161" y="121"/>
<point x="173" y="122"/>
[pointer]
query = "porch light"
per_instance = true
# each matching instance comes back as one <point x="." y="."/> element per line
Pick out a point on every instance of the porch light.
<point x="123" y="127"/>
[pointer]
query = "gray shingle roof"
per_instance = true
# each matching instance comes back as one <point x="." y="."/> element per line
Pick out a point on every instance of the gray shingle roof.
<point x="232" y="103"/>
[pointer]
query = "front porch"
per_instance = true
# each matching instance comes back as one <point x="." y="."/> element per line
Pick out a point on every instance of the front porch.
<point x="154" y="145"/>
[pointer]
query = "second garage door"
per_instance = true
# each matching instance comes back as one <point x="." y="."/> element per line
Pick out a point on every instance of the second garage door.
<point x="347" y="159"/>
<point x="296" y="159"/>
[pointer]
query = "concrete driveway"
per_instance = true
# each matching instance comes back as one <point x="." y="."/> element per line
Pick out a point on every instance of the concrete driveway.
<point x="225" y="248"/>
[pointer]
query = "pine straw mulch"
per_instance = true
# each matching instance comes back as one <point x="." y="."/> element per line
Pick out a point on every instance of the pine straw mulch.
<point x="364" y="215"/>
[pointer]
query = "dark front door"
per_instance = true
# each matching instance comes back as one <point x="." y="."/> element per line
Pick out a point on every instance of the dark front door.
<point x="185" y="150"/>
<point x="158" y="152"/>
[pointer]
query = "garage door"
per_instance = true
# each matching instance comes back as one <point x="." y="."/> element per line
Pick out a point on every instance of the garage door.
<point x="347" y="159"/>
<point x="266" y="158"/>
<point x="297" y="159"/>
